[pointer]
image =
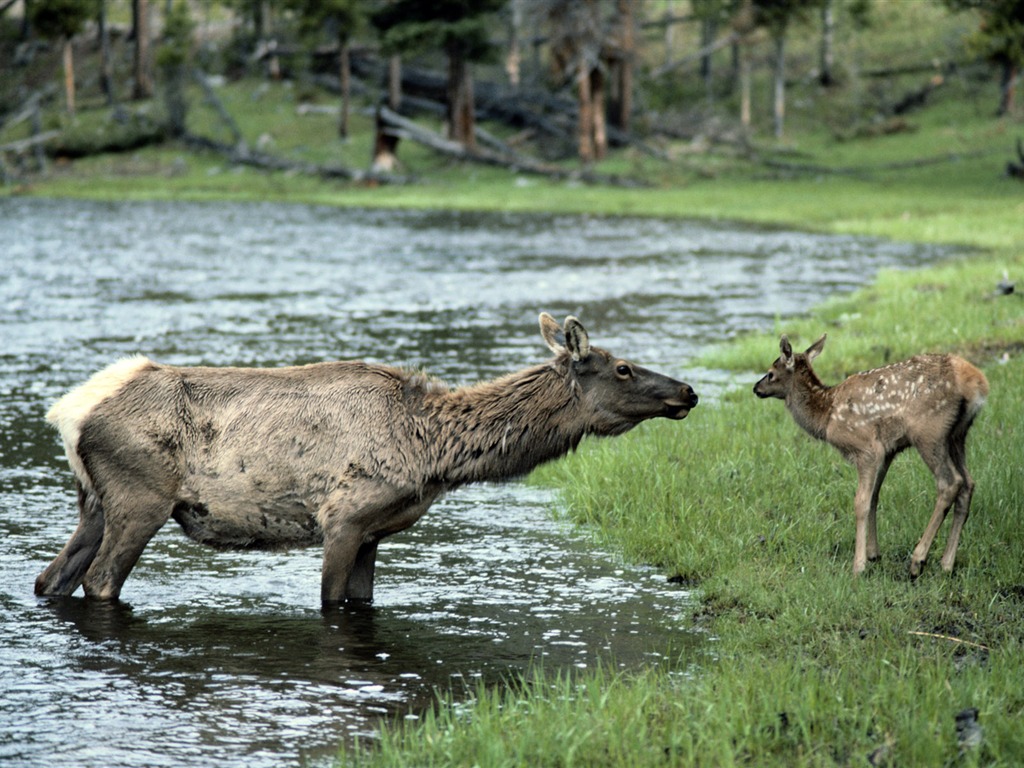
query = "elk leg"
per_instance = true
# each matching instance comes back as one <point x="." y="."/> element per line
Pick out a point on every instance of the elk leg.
<point x="872" y="527"/>
<point x="867" y="473"/>
<point x="132" y="516"/>
<point x="360" y="580"/>
<point x="948" y="484"/>
<point x="64" y="575"/>
<point x="341" y="548"/>
<point x="963" y="502"/>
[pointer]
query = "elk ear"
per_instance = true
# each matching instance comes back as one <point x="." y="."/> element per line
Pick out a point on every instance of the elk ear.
<point x="815" y="349"/>
<point x="786" y="352"/>
<point x="552" y="333"/>
<point x="576" y="338"/>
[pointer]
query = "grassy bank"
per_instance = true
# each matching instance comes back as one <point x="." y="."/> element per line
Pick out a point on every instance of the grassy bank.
<point x="807" y="666"/>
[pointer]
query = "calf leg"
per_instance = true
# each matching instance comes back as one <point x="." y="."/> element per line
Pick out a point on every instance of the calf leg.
<point x="872" y="525"/>
<point x="962" y="508"/>
<point x="869" y="477"/>
<point x="948" y="484"/>
<point x="64" y="575"/>
<point x="132" y="516"/>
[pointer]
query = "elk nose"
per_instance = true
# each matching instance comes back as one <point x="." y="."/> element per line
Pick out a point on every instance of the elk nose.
<point x="689" y="396"/>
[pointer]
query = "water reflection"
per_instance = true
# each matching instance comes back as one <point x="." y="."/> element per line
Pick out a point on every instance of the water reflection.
<point x="225" y="658"/>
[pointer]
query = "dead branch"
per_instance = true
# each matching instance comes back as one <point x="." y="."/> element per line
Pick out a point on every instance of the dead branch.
<point x="396" y="125"/>
<point x="241" y="155"/>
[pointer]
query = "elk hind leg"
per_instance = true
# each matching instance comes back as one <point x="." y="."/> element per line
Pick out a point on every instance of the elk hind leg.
<point x="65" y="574"/>
<point x="132" y="516"/>
<point x="958" y="452"/>
<point x="948" y="484"/>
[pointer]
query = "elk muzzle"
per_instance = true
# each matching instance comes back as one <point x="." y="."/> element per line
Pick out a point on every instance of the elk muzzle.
<point x="678" y="408"/>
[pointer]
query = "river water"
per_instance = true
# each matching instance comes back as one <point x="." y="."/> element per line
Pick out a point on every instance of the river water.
<point x="225" y="659"/>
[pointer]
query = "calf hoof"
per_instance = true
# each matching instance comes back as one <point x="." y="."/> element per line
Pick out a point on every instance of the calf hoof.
<point x="915" y="569"/>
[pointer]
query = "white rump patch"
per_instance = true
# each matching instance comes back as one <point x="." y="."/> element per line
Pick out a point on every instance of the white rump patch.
<point x="68" y="413"/>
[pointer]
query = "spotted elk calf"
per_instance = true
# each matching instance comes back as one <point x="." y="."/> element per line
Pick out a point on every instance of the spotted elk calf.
<point x="928" y="401"/>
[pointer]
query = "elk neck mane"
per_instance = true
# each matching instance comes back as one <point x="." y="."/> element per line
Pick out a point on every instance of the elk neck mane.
<point x="504" y="428"/>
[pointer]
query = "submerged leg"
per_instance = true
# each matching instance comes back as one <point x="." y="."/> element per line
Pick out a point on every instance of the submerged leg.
<point x="64" y="575"/>
<point x="132" y="517"/>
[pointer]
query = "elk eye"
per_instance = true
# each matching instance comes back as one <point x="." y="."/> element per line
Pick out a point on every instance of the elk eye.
<point x="623" y="370"/>
<point x="771" y="375"/>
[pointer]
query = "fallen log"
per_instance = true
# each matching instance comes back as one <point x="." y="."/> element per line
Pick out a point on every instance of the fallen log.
<point x="395" y="125"/>
<point x="241" y="155"/>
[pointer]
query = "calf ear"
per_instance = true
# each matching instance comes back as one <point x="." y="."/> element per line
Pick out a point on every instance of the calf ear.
<point x="815" y="349"/>
<point x="786" y="352"/>
<point x="552" y="334"/>
<point x="576" y="338"/>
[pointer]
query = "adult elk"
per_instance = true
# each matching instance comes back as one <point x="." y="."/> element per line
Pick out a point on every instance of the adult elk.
<point x="340" y="454"/>
<point x="928" y="401"/>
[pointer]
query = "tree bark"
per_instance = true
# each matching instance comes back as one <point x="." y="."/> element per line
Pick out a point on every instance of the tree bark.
<point x="585" y="129"/>
<point x="395" y="82"/>
<point x="106" y="69"/>
<point x="828" y="29"/>
<point x="779" y="109"/>
<point x="461" y="120"/>
<point x="1007" y="88"/>
<point x="599" y="113"/>
<point x="345" y="75"/>
<point x="69" y="75"/>
<point x="142" y="87"/>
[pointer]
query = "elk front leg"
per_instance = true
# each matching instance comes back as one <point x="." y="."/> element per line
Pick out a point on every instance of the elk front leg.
<point x="352" y="533"/>
<point x="872" y="551"/>
<point x="868" y="480"/>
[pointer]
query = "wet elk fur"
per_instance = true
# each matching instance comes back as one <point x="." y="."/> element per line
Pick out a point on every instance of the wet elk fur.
<point x="340" y="454"/>
<point x="928" y="401"/>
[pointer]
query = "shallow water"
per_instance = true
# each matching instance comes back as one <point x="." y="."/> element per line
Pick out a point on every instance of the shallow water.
<point x="225" y="658"/>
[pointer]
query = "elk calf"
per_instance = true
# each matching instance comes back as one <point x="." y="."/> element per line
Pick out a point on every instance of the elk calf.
<point x="928" y="401"/>
<point x="340" y="454"/>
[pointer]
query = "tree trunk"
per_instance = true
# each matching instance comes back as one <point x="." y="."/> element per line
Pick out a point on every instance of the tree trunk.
<point x="142" y="87"/>
<point x="708" y="30"/>
<point x="599" y="113"/>
<point x="624" y="109"/>
<point x="1007" y="87"/>
<point x="69" y="76"/>
<point x="514" y="57"/>
<point x="345" y="75"/>
<point x="779" y="109"/>
<point x="461" y="122"/>
<point x="586" y="113"/>
<point x="828" y="30"/>
<point x="669" y="31"/>
<point x="395" y="82"/>
<point x="106" y="68"/>
<point x="743" y="56"/>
